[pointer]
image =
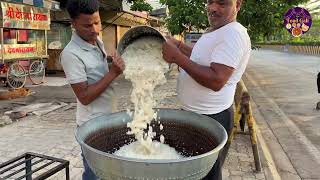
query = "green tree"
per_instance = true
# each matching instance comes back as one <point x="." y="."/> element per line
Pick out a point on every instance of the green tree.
<point x="261" y="17"/>
<point x="265" y="17"/>
<point x="185" y="15"/>
<point x="140" y="5"/>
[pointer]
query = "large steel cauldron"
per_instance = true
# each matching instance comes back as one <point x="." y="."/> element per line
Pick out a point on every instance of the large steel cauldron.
<point x="137" y="32"/>
<point x="198" y="137"/>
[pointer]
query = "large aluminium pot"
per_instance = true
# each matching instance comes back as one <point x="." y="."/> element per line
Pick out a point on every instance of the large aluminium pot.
<point x="197" y="137"/>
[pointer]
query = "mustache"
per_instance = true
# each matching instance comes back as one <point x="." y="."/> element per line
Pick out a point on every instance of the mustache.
<point x="213" y="14"/>
<point x="94" y="34"/>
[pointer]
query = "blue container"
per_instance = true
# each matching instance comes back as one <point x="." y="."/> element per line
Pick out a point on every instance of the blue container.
<point x="38" y="3"/>
<point x="17" y="1"/>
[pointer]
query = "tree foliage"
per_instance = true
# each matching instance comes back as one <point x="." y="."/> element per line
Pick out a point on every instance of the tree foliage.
<point x="185" y="15"/>
<point x="140" y="5"/>
<point x="265" y="17"/>
<point x="261" y="17"/>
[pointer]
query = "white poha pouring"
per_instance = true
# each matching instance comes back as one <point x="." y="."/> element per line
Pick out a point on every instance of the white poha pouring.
<point x="145" y="68"/>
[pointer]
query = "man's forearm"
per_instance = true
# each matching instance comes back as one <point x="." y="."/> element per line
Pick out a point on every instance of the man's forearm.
<point x="88" y="93"/>
<point x="185" y="49"/>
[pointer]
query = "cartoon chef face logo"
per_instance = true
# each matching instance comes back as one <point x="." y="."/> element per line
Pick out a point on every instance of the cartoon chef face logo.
<point x="297" y="21"/>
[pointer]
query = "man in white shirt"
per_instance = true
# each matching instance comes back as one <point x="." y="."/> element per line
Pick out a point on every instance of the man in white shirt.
<point x="212" y="68"/>
<point x="84" y="61"/>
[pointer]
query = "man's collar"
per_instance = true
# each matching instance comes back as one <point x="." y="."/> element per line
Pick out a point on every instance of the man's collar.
<point x="82" y="43"/>
<point x="211" y="29"/>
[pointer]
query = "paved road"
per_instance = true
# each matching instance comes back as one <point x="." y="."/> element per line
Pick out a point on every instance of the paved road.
<point x="283" y="86"/>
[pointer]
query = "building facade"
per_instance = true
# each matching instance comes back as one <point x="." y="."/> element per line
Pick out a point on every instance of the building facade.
<point x="116" y="19"/>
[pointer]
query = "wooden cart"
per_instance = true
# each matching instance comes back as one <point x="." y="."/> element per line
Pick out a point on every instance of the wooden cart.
<point x="23" y="51"/>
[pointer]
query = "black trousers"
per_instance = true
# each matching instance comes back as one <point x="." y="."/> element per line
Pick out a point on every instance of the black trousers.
<point x="225" y="118"/>
<point x="318" y="82"/>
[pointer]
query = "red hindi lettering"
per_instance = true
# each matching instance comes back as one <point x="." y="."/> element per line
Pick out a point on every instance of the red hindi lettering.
<point x="18" y="14"/>
<point x="40" y="17"/>
<point x="21" y="50"/>
<point x="10" y="13"/>
<point x="27" y="16"/>
<point x="35" y="17"/>
<point x="44" y="17"/>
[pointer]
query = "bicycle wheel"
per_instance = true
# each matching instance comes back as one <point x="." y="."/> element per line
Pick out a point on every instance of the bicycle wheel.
<point x="37" y="72"/>
<point x="16" y="76"/>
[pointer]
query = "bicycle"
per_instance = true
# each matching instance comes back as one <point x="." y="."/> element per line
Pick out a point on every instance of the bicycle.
<point x="17" y="72"/>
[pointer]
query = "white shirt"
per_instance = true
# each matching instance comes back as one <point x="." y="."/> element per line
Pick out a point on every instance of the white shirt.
<point x="83" y="62"/>
<point x="229" y="45"/>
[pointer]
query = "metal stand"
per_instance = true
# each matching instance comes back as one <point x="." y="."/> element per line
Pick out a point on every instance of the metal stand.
<point x="32" y="163"/>
<point x="243" y="114"/>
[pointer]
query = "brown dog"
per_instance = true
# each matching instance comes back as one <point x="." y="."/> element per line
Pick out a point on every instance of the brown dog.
<point x="13" y="94"/>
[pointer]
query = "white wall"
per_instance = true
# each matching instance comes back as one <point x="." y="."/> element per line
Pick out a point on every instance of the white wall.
<point x="155" y="4"/>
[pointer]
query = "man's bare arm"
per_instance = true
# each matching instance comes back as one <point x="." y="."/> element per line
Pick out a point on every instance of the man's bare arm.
<point x="185" y="49"/>
<point x="213" y="77"/>
<point x="87" y="93"/>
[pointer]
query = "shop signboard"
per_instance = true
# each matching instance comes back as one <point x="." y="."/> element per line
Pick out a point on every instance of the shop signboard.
<point x="24" y="17"/>
<point x="16" y="51"/>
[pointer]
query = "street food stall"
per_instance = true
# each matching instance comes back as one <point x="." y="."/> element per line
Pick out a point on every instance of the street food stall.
<point x="23" y="38"/>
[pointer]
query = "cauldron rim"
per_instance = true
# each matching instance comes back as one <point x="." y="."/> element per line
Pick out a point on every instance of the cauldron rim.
<point x="122" y="46"/>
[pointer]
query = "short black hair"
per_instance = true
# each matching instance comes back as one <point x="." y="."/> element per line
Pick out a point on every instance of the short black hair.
<point x="77" y="7"/>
